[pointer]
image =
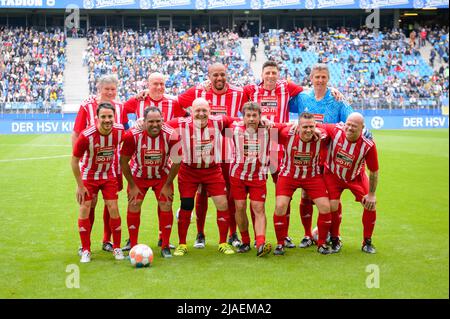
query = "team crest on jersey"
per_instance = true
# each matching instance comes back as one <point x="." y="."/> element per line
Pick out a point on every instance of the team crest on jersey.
<point x="344" y="159"/>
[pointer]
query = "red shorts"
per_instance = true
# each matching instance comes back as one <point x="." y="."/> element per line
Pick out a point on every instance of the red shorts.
<point x="314" y="186"/>
<point x="359" y="186"/>
<point x="144" y="185"/>
<point x="108" y="187"/>
<point x="190" y="178"/>
<point x="240" y="188"/>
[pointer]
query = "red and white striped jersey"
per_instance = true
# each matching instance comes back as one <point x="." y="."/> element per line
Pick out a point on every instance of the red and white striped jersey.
<point x="346" y="159"/>
<point x="168" y="105"/>
<point x="228" y="103"/>
<point x="201" y="147"/>
<point x="251" y="153"/>
<point x="98" y="152"/>
<point x="87" y="114"/>
<point x="301" y="159"/>
<point x="150" y="155"/>
<point x="275" y="103"/>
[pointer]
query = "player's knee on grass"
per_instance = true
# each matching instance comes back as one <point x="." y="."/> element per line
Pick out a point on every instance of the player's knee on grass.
<point x="187" y="203"/>
<point x="323" y="204"/>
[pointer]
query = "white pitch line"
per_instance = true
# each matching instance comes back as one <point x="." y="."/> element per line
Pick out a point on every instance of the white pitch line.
<point x="33" y="158"/>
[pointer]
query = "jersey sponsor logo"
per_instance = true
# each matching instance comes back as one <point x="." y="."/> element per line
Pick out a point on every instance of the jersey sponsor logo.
<point x="269" y="105"/>
<point x="218" y="110"/>
<point x="302" y="158"/>
<point x="152" y="158"/>
<point x="344" y="159"/>
<point x="251" y="148"/>
<point x="203" y="148"/>
<point x="105" y="155"/>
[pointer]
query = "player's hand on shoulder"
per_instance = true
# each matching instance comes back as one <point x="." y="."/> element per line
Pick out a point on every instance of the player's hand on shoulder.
<point x="337" y="95"/>
<point x="139" y="124"/>
<point x="206" y="85"/>
<point x="267" y="123"/>
<point x="142" y="95"/>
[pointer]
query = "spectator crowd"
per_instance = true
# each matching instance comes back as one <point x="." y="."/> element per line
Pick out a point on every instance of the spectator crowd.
<point x="32" y="66"/>
<point x="380" y="68"/>
<point x="183" y="56"/>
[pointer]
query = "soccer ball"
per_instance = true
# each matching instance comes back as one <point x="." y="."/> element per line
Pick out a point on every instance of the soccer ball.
<point x="141" y="256"/>
<point x="315" y="235"/>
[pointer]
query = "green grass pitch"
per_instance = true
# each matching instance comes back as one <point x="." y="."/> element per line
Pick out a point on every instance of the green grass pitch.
<point x="39" y="239"/>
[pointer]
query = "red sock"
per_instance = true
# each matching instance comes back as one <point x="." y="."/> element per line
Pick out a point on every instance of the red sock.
<point x="166" y="221"/>
<point x="106" y="225"/>
<point x="369" y="217"/>
<point x="133" y="222"/>
<point x="184" y="219"/>
<point x="288" y="217"/>
<point x="245" y="237"/>
<point x="336" y="218"/>
<point x="323" y="226"/>
<point x="223" y="218"/>
<point x="279" y="223"/>
<point x="306" y="213"/>
<point x="114" y="224"/>
<point x="201" y="207"/>
<point x="84" y="228"/>
<point x="232" y="220"/>
<point x="252" y="214"/>
<point x="92" y="217"/>
<point x="260" y="240"/>
<point x="159" y="223"/>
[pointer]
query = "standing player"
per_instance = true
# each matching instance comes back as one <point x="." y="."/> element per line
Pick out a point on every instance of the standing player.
<point x="248" y="175"/>
<point x="273" y="95"/>
<point x="224" y="99"/>
<point x="348" y="153"/>
<point x="300" y="169"/>
<point x="326" y="109"/>
<point x="169" y="107"/>
<point x="106" y="92"/>
<point x="97" y="146"/>
<point x="149" y="151"/>
<point x="201" y="144"/>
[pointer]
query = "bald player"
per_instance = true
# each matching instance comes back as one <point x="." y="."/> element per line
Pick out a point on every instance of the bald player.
<point x="348" y="155"/>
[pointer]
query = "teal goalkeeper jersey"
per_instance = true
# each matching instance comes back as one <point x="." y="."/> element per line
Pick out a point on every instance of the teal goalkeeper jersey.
<point x="327" y="110"/>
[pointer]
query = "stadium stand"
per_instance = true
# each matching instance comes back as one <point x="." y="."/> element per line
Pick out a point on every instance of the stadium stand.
<point x="32" y="67"/>
<point x="183" y="56"/>
<point x="375" y="70"/>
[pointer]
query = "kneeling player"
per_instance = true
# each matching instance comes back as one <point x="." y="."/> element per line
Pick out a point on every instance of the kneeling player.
<point x="97" y="146"/>
<point x="149" y="150"/>
<point x="300" y="169"/>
